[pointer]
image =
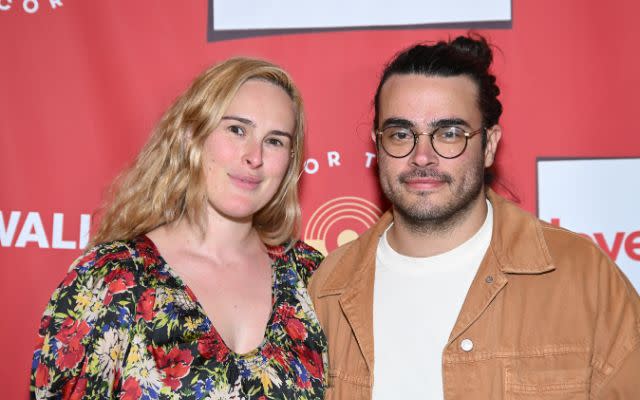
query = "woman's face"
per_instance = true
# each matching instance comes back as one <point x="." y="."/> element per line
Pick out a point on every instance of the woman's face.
<point x="246" y="156"/>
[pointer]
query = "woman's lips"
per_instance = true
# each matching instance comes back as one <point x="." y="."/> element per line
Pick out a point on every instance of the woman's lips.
<point x="245" y="181"/>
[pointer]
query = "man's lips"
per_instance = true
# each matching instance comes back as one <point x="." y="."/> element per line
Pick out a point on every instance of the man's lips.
<point x="422" y="180"/>
<point x="424" y="183"/>
<point x="245" y="181"/>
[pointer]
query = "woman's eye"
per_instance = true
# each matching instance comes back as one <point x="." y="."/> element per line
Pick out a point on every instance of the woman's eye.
<point x="275" y="142"/>
<point x="236" y="130"/>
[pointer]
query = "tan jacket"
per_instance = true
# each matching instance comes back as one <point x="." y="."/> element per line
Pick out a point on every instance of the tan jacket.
<point x="549" y="316"/>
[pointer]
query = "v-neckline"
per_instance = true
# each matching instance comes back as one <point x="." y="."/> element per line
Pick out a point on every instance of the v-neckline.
<point x="276" y="258"/>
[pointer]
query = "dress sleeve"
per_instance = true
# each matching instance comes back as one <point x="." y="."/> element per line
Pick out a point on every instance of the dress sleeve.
<point x="84" y="333"/>
<point x="307" y="260"/>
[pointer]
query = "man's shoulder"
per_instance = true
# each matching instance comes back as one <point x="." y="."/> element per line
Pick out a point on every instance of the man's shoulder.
<point x="572" y="255"/>
<point x="332" y="260"/>
<point x="518" y="230"/>
<point x="330" y="264"/>
<point x="577" y="252"/>
<point x="572" y="250"/>
<point x="345" y="263"/>
<point x="568" y="240"/>
<point x="356" y="251"/>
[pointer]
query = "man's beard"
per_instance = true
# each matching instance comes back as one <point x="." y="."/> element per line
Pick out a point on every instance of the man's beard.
<point x="420" y="215"/>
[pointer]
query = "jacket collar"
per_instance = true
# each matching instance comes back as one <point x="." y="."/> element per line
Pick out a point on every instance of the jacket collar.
<point x="517" y="240"/>
<point x="357" y="259"/>
<point x="517" y="243"/>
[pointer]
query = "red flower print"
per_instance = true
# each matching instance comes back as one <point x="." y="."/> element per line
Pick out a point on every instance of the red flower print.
<point x="119" y="280"/>
<point x="296" y="329"/>
<point x="175" y="365"/>
<point x="70" y="330"/>
<point x="68" y="280"/>
<point x="116" y="379"/>
<point x="211" y="345"/>
<point x="39" y="341"/>
<point x="270" y="351"/>
<point x="42" y="376"/>
<point x="311" y="360"/>
<point x="307" y="264"/>
<point x="42" y="331"/>
<point x="116" y="256"/>
<point x="131" y="390"/>
<point x="75" y="388"/>
<point x="284" y="312"/>
<point x="303" y="384"/>
<point x="71" y="350"/>
<point x="70" y="355"/>
<point x="44" y="323"/>
<point x="144" y="309"/>
<point x="148" y="254"/>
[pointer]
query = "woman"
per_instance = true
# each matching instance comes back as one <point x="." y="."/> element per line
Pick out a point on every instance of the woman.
<point x="194" y="257"/>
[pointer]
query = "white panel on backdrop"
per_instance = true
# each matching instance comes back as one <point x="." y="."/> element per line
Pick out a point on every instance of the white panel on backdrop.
<point x="292" y="14"/>
<point x="599" y="198"/>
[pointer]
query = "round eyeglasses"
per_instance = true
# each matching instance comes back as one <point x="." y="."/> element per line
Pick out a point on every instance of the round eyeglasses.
<point x="447" y="141"/>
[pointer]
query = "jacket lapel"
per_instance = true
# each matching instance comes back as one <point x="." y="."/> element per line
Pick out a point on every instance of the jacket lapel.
<point x="489" y="281"/>
<point x="354" y="282"/>
<point x="357" y="306"/>
<point x="517" y="247"/>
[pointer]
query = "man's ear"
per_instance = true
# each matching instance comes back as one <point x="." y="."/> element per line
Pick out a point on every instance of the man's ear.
<point x="493" y="138"/>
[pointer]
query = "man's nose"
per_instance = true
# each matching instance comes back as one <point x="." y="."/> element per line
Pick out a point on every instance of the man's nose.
<point x="423" y="153"/>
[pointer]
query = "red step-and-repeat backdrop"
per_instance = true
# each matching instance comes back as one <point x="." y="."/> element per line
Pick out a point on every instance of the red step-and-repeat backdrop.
<point x="83" y="82"/>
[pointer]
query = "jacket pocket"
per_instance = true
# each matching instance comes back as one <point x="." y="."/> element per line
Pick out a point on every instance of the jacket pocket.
<point x="341" y="386"/>
<point x="560" y="384"/>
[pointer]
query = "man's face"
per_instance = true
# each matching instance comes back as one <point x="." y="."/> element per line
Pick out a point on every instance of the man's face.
<point x="424" y="188"/>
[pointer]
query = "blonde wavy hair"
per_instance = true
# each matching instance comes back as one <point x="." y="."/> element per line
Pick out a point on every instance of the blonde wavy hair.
<point x="167" y="182"/>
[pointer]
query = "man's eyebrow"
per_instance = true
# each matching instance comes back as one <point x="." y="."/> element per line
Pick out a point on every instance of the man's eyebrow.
<point x="449" y="122"/>
<point x="393" y="121"/>
<point x="438" y="123"/>
<point x="239" y="119"/>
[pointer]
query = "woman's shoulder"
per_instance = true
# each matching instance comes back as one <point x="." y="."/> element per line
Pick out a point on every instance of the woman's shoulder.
<point x="307" y="258"/>
<point x="107" y="277"/>
<point x="304" y="250"/>
<point x="122" y="260"/>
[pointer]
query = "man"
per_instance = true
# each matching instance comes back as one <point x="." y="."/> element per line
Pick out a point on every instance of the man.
<point x="456" y="293"/>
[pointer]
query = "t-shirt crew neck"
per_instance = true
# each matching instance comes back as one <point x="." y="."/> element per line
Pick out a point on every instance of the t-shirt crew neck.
<point x="416" y="303"/>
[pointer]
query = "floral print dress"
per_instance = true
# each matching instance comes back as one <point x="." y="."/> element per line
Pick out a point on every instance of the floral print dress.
<point x="123" y="325"/>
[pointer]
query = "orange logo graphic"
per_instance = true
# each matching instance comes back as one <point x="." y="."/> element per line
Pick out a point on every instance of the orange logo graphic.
<point x="339" y="221"/>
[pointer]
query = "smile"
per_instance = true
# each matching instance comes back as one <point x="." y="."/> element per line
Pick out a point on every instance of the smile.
<point x="245" y="181"/>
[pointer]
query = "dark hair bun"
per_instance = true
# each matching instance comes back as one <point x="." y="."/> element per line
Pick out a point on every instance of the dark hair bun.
<point x="475" y="46"/>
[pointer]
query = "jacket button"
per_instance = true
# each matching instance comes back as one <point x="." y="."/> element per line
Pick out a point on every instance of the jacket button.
<point x="466" y="345"/>
<point x="489" y="279"/>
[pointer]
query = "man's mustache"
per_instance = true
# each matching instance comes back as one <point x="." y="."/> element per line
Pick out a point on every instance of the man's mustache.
<point x="424" y="173"/>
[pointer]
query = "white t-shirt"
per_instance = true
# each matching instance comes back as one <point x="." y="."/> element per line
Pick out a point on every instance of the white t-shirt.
<point x="416" y="303"/>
